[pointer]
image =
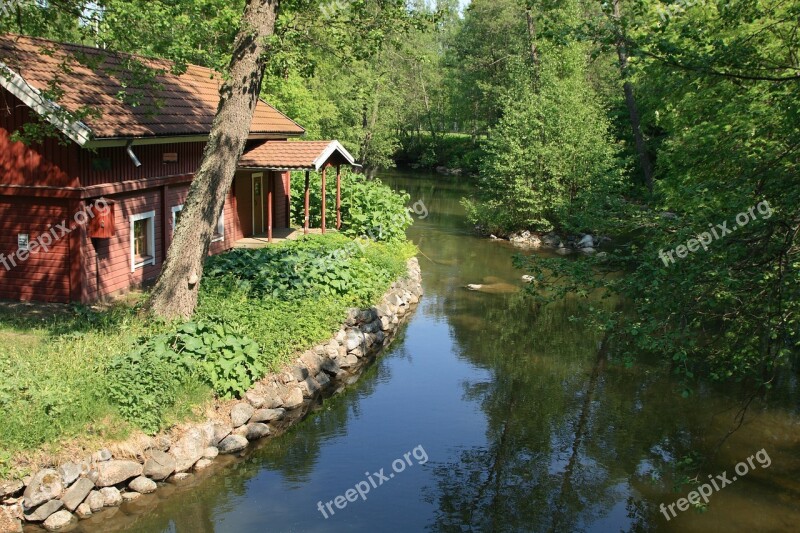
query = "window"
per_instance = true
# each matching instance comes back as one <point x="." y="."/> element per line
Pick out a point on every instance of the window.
<point x="219" y="231"/>
<point x="176" y="215"/>
<point x="143" y="240"/>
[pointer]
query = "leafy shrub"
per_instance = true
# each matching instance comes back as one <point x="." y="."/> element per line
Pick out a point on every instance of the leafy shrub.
<point x="147" y="380"/>
<point x="369" y="208"/>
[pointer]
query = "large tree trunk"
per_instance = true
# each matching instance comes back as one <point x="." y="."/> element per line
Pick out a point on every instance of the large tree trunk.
<point x="175" y="293"/>
<point x="630" y="102"/>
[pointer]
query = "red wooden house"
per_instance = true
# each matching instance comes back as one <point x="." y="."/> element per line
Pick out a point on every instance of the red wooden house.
<point x="137" y="156"/>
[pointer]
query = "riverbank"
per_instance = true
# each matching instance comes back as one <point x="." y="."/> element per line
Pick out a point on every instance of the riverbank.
<point x="58" y="497"/>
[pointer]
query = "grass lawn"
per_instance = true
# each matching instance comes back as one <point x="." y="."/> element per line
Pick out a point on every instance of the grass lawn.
<point x="61" y="365"/>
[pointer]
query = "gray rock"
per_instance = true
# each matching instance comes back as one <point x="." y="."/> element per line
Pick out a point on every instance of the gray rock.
<point x="330" y="366"/>
<point x="211" y="452"/>
<point x="232" y="444"/>
<point x="256" y="400"/>
<point x="10" y="520"/>
<point x="189" y="449"/>
<point x="587" y="241"/>
<point x="323" y="379"/>
<point x="202" y="464"/>
<point x="293" y="398"/>
<point x="348" y="361"/>
<point x="313" y="360"/>
<point x="95" y="501"/>
<point x="83" y="511"/>
<point x="10" y="488"/>
<point x="267" y="415"/>
<point x="69" y="472"/>
<point x="340" y="336"/>
<point x="77" y="493"/>
<point x="162" y="443"/>
<point x="310" y="387"/>
<point x="159" y="465"/>
<point x="299" y="373"/>
<point x="143" y="485"/>
<point x="215" y="432"/>
<point x="354" y="339"/>
<point x="254" y="431"/>
<point x="130" y="496"/>
<point x="274" y="399"/>
<point x="102" y="456"/>
<point x="43" y="512"/>
<point x="241" y="413"/>
<point x="588" y="250"/>
<point x="58" y="520"/>
<point x="45" y="485"/>
<point x="117" y="471"/>
<point x="111" y="497"/>
<point x="183" y="476"/>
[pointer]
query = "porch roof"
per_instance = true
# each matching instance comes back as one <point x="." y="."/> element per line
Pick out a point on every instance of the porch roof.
<point x="296" y="155"/>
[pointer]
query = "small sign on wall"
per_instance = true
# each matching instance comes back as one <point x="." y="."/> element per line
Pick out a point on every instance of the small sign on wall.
<point x="24" y="242"/>
<point x="170" y="157"/>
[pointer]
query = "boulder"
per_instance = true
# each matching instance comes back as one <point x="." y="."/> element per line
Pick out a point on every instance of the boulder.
<point x="9" y="520"/>
<point x="44" y="486"/>
<point x="313" y="360"/>
<point x="354" y="339"/>
<point x="587" y="241"/>
<point x="241" y="413"/>
<point x="323" y="379"/>
<point x="117" y="471"/>
<point x="348" y="361"/>
<point x="69" y="472"/>
<point x="232" y="444"/>
<point x="254" y="431"/>
<point x="202" y="464"/>
<point x="189" y="449"/>
<point x="310" y="387"/>
<point x="267" y="415"/>
<point x="143" y="485"/>
<point x="83" y="511"/>
<point x="215" y="432"/>
<point x="130" y="496"/>
<point x="293" y="398"/>
<point x="111" y="497"/>
<point x="159" y="465"/>
<point x="43" y="512"/>
<point x="254" y="399"/>
<point x="211" y="452"/>
<point x="330" y="366"/>
<point x="181" y="477"/>
<point x="59" y="520"/>
<point x="95" y="501"/>
<point x="78" y="492"/>
<point x="10" y="488"/>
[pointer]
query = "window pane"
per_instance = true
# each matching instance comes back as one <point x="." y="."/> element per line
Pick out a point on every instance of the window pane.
<point x="140" y="237"/>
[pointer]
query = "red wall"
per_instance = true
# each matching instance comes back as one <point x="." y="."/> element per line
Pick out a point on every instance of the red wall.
<point x="44" y="275"/>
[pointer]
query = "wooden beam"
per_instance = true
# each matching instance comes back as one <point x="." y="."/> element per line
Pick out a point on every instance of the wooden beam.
<point x="270" y="187"/>
<point x="324" y="170"/>
<point x="288" y="176"/>
<point x="307" y="199"/>
<point x="338" y="197"/>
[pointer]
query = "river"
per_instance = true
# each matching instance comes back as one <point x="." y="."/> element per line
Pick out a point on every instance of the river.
<point x="503" y="418"/>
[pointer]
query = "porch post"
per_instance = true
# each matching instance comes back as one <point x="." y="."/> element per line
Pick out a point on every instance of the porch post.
<point x="338" y="197"/>
<point x="305" y="224"/>
<point x="324" y="170"/>
<point x="270" y="187"/>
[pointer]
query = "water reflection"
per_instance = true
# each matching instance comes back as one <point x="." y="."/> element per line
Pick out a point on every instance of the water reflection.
<point x="528" y="425"/>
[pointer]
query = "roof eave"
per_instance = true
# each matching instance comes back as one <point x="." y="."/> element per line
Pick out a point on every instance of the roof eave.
<point x="33" y="98"/>
<point x="334" y="146"/>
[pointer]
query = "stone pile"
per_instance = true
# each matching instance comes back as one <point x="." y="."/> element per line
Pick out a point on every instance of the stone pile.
<point x="58" y="497"/>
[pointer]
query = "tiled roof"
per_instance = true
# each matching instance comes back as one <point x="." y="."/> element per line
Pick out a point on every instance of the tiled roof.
<point x="295" y="155"/>
<point x="176" y="104"/>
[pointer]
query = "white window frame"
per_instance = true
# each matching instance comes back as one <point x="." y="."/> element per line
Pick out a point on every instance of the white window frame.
<point x="220" y="227"/>
<point x="220" y="223"/>
<point x="175" y="210"/>
<point x="151" y="239"/>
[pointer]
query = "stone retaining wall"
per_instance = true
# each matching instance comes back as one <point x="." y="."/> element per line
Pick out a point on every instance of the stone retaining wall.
<point x="58" y="497"/>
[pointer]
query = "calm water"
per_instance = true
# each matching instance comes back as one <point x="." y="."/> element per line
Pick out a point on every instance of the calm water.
<point x="524" y="427"/>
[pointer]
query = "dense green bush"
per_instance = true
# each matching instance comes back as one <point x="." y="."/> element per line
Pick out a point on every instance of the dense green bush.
<point x="369" y="208"/>
<point x="449" y="150"/>
<point x="256" y="308"/>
